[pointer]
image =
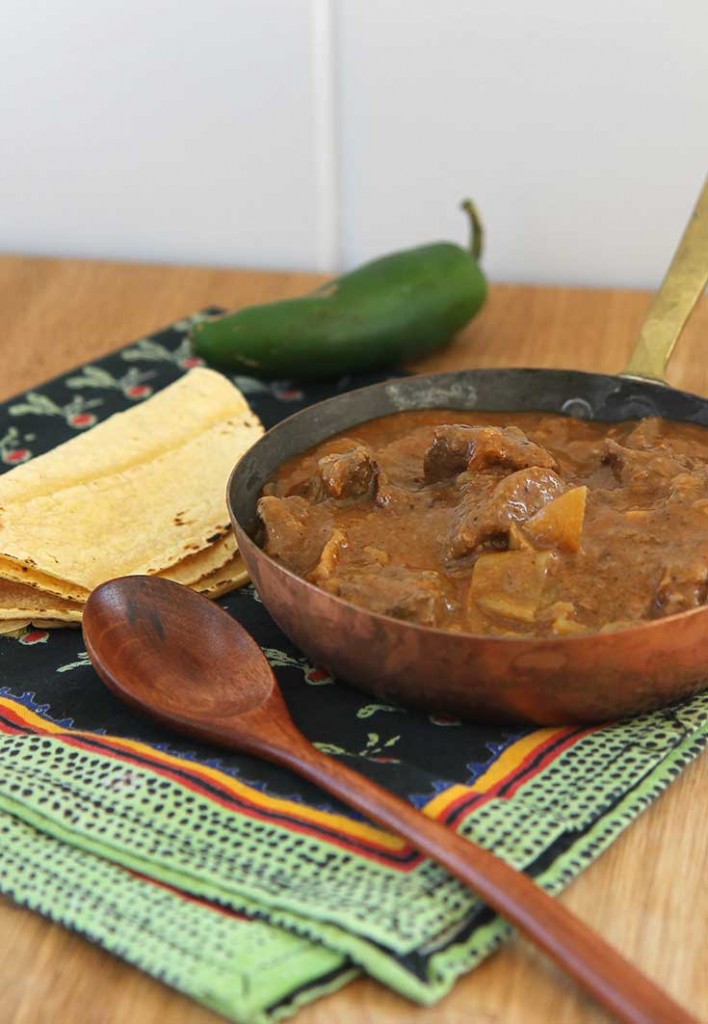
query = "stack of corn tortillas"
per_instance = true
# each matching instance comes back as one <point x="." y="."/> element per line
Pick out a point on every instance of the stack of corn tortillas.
<point x="143" y="492"/>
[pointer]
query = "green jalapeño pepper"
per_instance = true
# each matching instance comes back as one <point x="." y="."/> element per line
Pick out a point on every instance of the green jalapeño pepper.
<point x="392" y="309"/>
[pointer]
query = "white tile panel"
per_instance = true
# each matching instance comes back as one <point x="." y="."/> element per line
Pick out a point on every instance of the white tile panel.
<point x="580" y="128"/>
<point x="178" y="131"/>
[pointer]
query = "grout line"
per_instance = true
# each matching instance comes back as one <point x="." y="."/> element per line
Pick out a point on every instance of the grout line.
<point x="324" y="72"/>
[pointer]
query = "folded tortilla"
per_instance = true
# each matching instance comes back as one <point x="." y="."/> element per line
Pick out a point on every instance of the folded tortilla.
<point x="229" y="577"/>
<point x="22" y="606"/>
<point x="142" y="493"/>
<point x="195" y="567"/>
<point x="193" y="403"/>
<point x="19" y="601"/>
<point x="141" y="520"/>
<point x="8" y="627"/>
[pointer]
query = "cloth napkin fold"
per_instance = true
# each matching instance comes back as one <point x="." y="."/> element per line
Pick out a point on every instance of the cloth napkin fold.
<point x="233" y="880"/>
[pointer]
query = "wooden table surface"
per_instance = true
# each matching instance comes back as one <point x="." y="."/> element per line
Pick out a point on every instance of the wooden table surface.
<point x="647" y="894"/>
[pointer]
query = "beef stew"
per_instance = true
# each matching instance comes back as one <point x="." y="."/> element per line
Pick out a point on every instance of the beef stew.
<point x="531" y="524"/>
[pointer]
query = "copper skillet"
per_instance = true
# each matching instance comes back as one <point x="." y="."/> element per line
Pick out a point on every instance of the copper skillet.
<point x="588" y="678"/>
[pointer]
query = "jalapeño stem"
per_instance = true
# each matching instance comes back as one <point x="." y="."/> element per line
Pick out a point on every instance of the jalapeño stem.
<point x="476" y="228"/>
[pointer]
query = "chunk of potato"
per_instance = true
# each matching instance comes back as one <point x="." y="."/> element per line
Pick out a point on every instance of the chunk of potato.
<point x="559" y="524"/>
<point x="329" y="557"/>
<point x="509" y="584"/>
<point x="562" y="619"/>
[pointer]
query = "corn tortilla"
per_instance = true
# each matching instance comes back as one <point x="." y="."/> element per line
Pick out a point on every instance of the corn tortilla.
<point x="26" y="575"/>
<point x="193" y="403"/>
<point x="8" y="627"/>
<point x="195" y="567"/>
<point x="229" y="577"/>
<point x="14" y="627"/>
<point x="141" y="520"/>
<point x="143" y="492"/>
<point x="29" y="581"/>
<point x="17" y="601"/>
<point x="22" y="605"/>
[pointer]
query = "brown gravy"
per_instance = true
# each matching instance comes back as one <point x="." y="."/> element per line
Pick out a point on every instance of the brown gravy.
<point x="500" y="524"/>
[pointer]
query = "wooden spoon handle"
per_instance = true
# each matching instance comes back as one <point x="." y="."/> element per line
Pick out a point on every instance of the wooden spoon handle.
<point x="604" y="972"/>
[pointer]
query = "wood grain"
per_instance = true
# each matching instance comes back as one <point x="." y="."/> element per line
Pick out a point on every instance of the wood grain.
<point x="647" y="894"/>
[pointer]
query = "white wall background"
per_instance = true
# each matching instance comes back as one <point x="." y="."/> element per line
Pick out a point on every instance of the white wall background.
<point x="315" y="134"/>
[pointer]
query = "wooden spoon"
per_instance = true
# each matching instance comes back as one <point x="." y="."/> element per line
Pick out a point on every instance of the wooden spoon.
<point x="169" y="652"/>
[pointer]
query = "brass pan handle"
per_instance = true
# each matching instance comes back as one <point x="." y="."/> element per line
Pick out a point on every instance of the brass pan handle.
<point x="673" y="303"/>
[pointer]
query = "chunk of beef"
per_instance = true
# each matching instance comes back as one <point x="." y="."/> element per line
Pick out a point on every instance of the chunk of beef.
<point x="349" y="475"/>
<point x="341" y="476"/>
<point x="683" y="587"/>
<point x="450" y="452"/>
<point x="509" y="447"/>
<point x="643" y="471"/>
<point x="392" y="496"/>
<point x="294" y="531"/>
<point x="646" y="434"/>
<point x="412" y="595"/>
<point x="514" y="499"/>
<point x="689" y="487"/>
<point x="456" y="448"/>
